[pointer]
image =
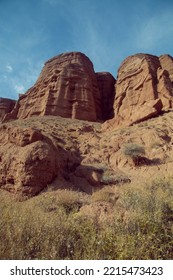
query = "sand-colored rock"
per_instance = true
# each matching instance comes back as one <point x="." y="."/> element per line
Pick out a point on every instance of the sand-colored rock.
<point x="22" y="137"/>
<point x="165" y="88"/>
<point x="166" y="62"/>
<point x="66" y="87"/>
<point x="6" y="106"/>
<point x="106" y="83"/>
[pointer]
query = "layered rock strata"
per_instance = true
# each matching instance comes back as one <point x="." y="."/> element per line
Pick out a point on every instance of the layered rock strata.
<point x="6" y="106"/>
<point x="166" y="62"/>
<point x="143" y="90"/>
<point x="67" y="87"/>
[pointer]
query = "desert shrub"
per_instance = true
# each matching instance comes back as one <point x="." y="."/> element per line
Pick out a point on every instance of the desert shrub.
<point x="111" y="177"/>
<point x="114" y="179"/>
<point x="68" y="200"/>
<point x="134" y="151"/>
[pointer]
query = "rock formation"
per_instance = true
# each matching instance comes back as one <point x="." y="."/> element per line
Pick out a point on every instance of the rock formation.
<point x="106" y="84"/>
<point x="69" y="87"/>
<point x="28" y="160"/>
<point x="35" y="151"/>
<point x="166" y="62"/>
<point x="6" y="106"/>
<point x="143" y="90"/>
<point x="66" y="87"/>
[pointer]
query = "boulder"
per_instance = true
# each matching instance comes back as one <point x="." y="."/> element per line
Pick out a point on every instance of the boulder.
<point x="28" y="162"/>
<point x="23" y="136"/>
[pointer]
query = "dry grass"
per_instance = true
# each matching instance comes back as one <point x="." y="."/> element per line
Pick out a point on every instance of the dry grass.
<point x="48" y="226"/>
<point x="107" y="194"/>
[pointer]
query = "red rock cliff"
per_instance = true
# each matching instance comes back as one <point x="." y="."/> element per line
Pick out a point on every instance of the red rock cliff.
<point x="143" y="89"/>
<point x="67" y="87"/>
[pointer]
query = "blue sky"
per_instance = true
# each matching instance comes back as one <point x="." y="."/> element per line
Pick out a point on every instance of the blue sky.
<point x="107" y="31"/>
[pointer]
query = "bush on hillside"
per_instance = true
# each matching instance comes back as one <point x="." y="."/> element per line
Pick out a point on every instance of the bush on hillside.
<point x="134" y="151"/>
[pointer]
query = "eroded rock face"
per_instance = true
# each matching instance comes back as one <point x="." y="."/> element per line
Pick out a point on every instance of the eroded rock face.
<point x="66" y="87"/>
<point x="6" y="106"/>
<point x="106" y="83"/>
<point x="28" y="162"/>
<point x="166" y="62"/>
<point x="69" y="87"/>
<point x="143" y="90"/>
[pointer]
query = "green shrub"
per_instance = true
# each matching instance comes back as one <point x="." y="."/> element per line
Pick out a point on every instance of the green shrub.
<point x="134" y="151"/>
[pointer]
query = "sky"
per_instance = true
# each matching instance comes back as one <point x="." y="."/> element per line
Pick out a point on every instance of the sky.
<point x="107" y="31"/>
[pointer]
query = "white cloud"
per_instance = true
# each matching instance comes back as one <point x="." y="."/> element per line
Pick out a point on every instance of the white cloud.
<point x="19" y="88"/>
<point x="155" y="31"/>
<point x="9" y="68"/>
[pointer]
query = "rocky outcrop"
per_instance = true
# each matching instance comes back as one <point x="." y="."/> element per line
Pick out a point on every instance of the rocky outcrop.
<point x="66" y="87"/>
<point x="28" y="161"/>
<point x="143" y="89"/>
<point x="106" y="84"/>
<point x="165" y="89"/>
<point x="6" y="106"/>
<point x="166" y="62"/>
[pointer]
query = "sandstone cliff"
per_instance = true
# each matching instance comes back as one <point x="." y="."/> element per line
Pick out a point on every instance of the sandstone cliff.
<point x="6" y="106"/>
<point x="66" y="87"/>
<point x="166" y="62"/>
<point x="143" y="89"/>
<point x="69" y="87"/>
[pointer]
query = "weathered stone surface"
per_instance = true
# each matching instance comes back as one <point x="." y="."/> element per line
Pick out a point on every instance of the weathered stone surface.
<point x="23" y="136"/>
<point x="143" y="89"/>
<point x="106" y="83"/>
<point x="6" y="106"/>
<point x="165" y="88"/>
<point x="146" y="111"/>
<point x="28" y="164"/>
<point x="67" y="87"/>
<point x="166" y="62"/>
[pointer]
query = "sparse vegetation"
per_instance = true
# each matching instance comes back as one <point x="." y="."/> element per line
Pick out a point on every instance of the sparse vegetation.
<point x="130" y="221"/>
<point x="111" y="179"/>
<point x="107" y="194"/>
<point x="134" y="151"/>
<point x="48" y="226"/>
